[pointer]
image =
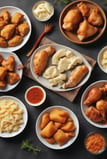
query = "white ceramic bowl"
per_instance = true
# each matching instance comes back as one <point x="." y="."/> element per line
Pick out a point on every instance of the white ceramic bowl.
<point x="43" y="13"/>
<point x="102" y="60"/>
<point x="56" y="146"/>
<point x="84" y="107"/>
<point x="35" y="96"/>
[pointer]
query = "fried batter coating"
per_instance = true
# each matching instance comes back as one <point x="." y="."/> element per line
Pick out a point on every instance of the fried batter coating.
<point x="3" y="72"/>
<point x="17" y="18"/>
<point x="23" y="28"/>
<point x="12" y="77"/>
<point x="2" y="84"/>
<point x="8" y="31"/>
<point x="5" y="15"/>
<point x="3" y="42"/>
<point x="44" y="121"/>
<point x="9" y="63"/>
<point x="84" y="9"/>
<point x="15" y="40"/>
<point x="2" y="23"/>
<point x="1" y="59"/>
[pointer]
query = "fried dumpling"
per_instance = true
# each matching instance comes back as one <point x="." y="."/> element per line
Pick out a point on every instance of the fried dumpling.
<point x="84" y="9"/>
<point x="5" y="15"/>
<point x="72" y="20"/>
<point x="15" y="40"/>
<point x="17" y="18"/>
<point x="23" y="28"/>
<point x="12" y="77"/>
<point x="68" y="126"/>
<point x="9" y="63"/>
<point x="3" y="42"/>
<point x="50" y="50"/>
<point x="2" y="23"/>
<point x="45" y="120"/>
<point x="86" y="30"/>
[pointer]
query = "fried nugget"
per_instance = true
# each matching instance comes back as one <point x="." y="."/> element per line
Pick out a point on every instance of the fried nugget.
<point x="23" y="28"/>
<point x="3" y="42"/>
<point x="45" y="120"/>
<point x="9" y="63"/>
<point x="68" y="126"/>
<point x="15" y="40"/>
<point x="12" y="77"/>
<point x="3" y="72"/>
<point x="5" y="15"/>
<point x="2" y="23"/>
<point x="17" y="18"/>
<point x="2" y="84"/>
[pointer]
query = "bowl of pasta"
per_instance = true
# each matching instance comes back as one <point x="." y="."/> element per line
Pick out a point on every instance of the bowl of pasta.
<point x="13" y="116"/>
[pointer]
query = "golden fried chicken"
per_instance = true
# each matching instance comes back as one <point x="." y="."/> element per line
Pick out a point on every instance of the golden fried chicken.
<point x="17" y="18"/>
<point x="2" y="84"/>
<point x="8" y="31"/>
<point x="5" y="15"/>
<point x="3" y="72"/>
<point x="15" y="40"/>
<point x="3" y="42"/>
<point x="84" y="9"/>
<point x="9" y="63"/>
<point x="12" y="77"/>
<point x="23" y="28"/>
<point x="101" y="105"/>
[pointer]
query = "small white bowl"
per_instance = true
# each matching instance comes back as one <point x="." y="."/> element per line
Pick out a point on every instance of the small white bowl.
<point x="43" y="11"/>
<point x="35" y="96"/>
<point x="101" y="57"/>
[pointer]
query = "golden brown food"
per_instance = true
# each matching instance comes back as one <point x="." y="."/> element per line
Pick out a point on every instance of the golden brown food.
<point x="5" y="15"/>
<point x="86" y="30"/>
<point x="1" y="59"/>
<point x="2" y="84"/>
<point x="92" y="96"/>
<point x="76" y="76"/>
<point x="3" y="72"/>
<point x="8" y="31"/>
<point x="101" y="105"/>
<point x="9" y="63"/>
<point x="45" y="120"/>
<point x="3" y="42"/>
<point x="23" y="28"/>
<point x="12" y="77"/>
<point x="95" y="17"/>
<point x="15" y="40"/>
<point x="68" y="126"/>
<point x="17" y="18"/>
<point x="40" y="62"/>
<point x="72" y="20"/>
<point x="50" y="140"/>
<point x="84" y="9"/>
<point x="2" y="23"/>
<point x="50" y="50"/>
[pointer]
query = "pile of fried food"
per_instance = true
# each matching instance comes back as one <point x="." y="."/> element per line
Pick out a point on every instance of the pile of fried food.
<point x="7" y="71"/>
<point x="56" y="72"/>
<point x="13" y="29"/>
<point x="57" y="126"/>
<point x="83" y="20"/>
<point x="96" y="101"/>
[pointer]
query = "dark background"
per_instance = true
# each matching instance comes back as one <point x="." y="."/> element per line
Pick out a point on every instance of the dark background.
<point x="10" y="148"/>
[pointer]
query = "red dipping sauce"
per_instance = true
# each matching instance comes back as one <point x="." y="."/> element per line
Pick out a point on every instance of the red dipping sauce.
<point x="35" y="95"/>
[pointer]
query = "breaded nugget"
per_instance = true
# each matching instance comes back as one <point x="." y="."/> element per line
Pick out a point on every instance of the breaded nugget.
<point x="5" y="15"/>
<point x="45" y="120"/>
<point x="15" y="40"/>
<point x="2" y="84"/>
<point x="9" y="63"/>
<point x="3" y="72"/>
<point x="2" y="23"/>
<point x="12" y="77"/>
<point x="23" y="28"/>
<point x="8" y="31"/>
<point x="17" y="18"/>
<point x="3" y="42"/>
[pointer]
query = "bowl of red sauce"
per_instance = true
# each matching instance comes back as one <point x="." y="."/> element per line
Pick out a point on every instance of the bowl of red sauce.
<point x="35" y="95"/>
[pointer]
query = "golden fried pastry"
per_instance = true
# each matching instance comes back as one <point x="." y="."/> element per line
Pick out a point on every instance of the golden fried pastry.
<point x="40" y="62"/>
<point x="5" y="15"/>
<point x="76" y="76"/>
<point x="48" y="130"/>
<point x="17" y="18"/>
<point x="23" y="28"/>
<point x="3" y="72"/>
<point x="2" y="23"/>
<point x="50" y="140"/>
<point x="60" y="137"/>
<point x="9" y="63"/>
<point x="58" y="115"/>
<point x="95" y="17"/>
<point x="1" y="59"/>
<point x="68" y="126"/>
<point x="84" y="9"/>
<point x="45" y="120"/>
<point x="3" y="42"/>
<point x="12" y="77"/>
<point x="57" y="124"/>
<point x="15" y="40"/>
<point x="8" y="31"/>
<point x="86" y="30"/>
<point x="50" y="50"/>
<point x="2" y="84"/>
<point x="72" y="20"/>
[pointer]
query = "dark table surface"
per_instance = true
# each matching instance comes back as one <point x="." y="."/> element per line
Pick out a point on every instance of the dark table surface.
<point x="10" y="148"/>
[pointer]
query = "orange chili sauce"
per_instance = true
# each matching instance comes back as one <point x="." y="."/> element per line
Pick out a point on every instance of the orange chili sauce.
<point x="95" y="143"/>
<point x="35" y="95"/>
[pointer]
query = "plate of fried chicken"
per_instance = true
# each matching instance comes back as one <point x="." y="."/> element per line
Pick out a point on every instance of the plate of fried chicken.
<point x="10" y="74"/>
<point x="15" y="28"/>
<point x="59" y="68"/>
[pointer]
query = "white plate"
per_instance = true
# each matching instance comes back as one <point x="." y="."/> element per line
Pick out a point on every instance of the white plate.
<point x="13" y="10"/>
<point x="25" y="117"/>
<point x="56" y="146"/>
<point x="20" y="72"/>
<point x="84" y="107"/>
<point x="45" y="82"/>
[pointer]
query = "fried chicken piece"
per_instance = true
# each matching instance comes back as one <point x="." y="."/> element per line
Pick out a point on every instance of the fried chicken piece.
<point x="2" y="23"/>
<point x="3" y="72"/>
<point x="40" y="62"/>
<point x="86" y="30"/>
<point x="84" y="9"/>
<point x="72" y="20"/>
<point x="2" y="84"/>
<point x="3" y="42"/>
<point x="12" y="77"/>
<point x="9" y="63"/>
<point x="101" y="105"/>
<point x="8" y="31"/>
<point x="17" y="18"/>
<point x="23" y="28"/>
<point x="95" y="17"/>
<point x="15" y="40"/>
<point x="93" y="114"/>
<point x="5" y="15"/>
